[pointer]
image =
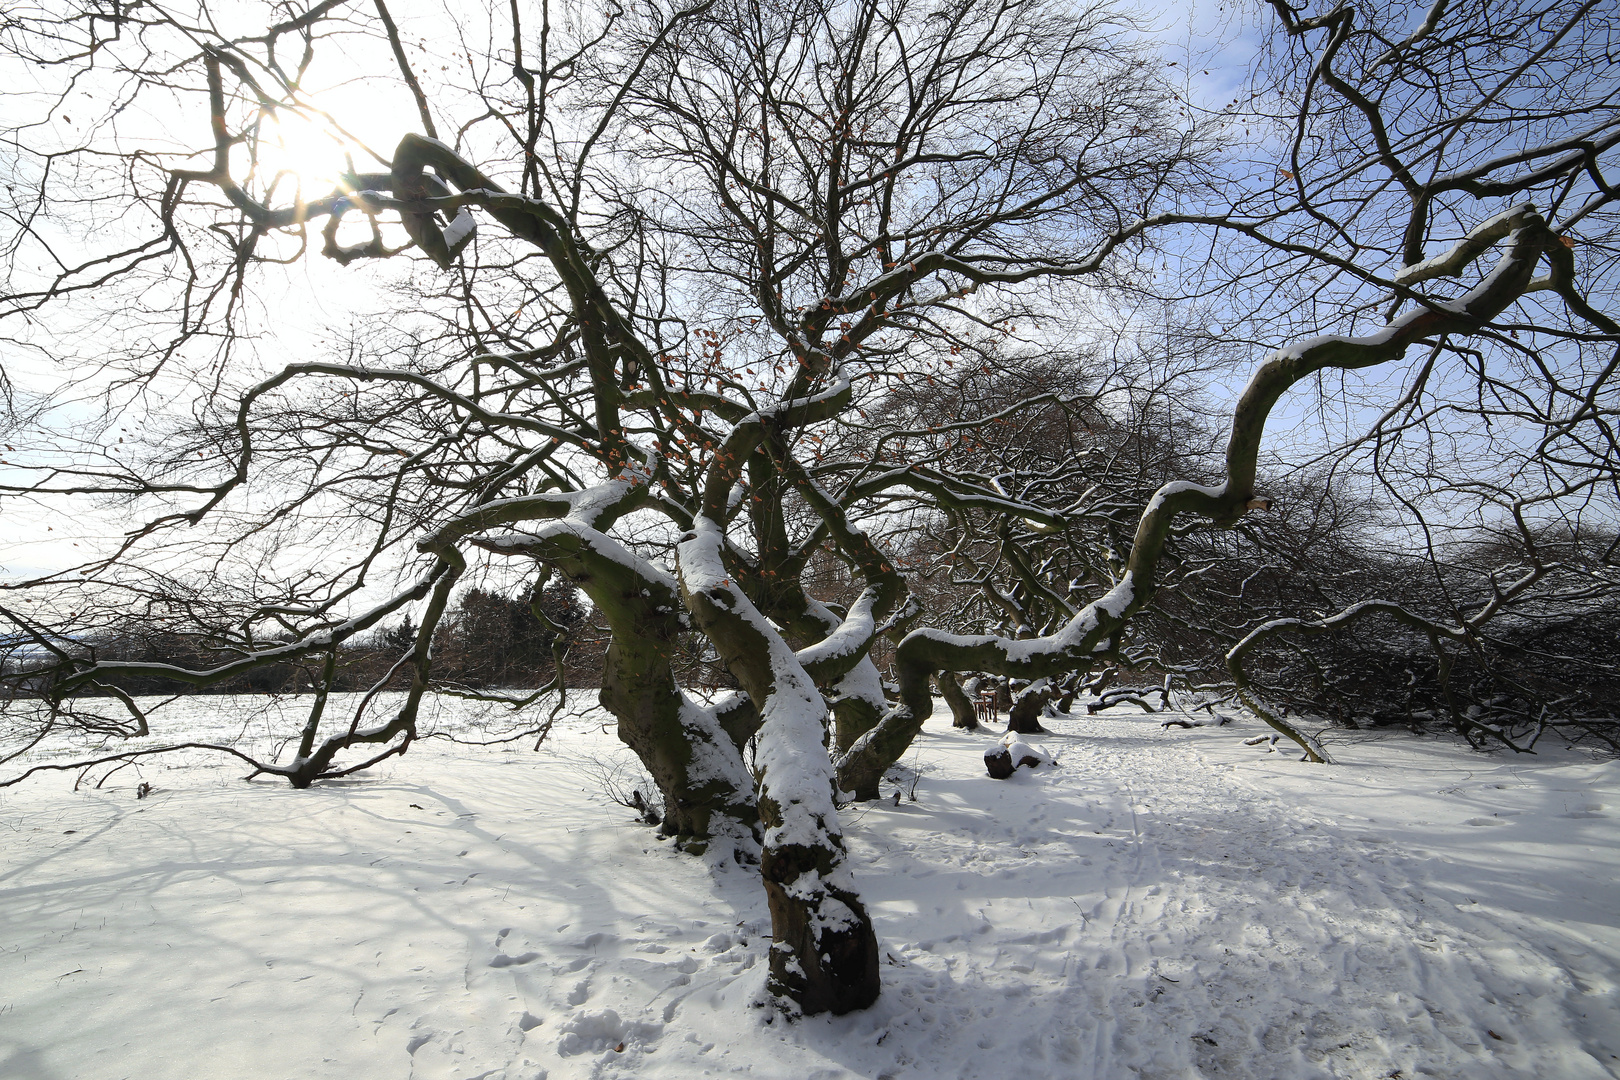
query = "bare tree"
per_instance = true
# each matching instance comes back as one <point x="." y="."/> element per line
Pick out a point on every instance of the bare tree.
<point x="1413" y="150"/>
<point x="657" y="290"/>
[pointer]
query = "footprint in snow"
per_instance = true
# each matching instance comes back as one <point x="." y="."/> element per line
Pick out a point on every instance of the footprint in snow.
<point x="502" y="960"/>
<point x="592" y="941"/>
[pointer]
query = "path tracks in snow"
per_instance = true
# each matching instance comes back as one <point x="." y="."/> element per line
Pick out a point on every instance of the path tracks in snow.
<point x="1222" y="930"/>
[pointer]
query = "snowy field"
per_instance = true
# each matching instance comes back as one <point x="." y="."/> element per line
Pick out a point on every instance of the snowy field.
<point x="1158" y="904"/>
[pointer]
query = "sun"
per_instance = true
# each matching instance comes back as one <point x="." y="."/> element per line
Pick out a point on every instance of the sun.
<point x="298" y="155"/>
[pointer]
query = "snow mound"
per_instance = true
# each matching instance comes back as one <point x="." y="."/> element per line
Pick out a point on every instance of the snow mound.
<point x="1003" y="758"/>
<point x="594" y="1032"/>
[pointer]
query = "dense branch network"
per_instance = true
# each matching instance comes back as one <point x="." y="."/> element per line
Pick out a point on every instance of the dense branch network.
<point x="785" y="328"/>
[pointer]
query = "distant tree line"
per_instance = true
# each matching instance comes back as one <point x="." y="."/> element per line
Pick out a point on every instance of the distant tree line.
<point x="489" y="641"/>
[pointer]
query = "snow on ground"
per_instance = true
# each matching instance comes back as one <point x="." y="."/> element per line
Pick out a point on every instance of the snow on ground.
<point x="1157" y="904"/>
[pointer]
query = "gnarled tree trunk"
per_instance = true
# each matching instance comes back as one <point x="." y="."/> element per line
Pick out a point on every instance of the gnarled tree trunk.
<point x="693" y="752"/>
<point x="824" y="954"/>
<point x="964" y="712"/>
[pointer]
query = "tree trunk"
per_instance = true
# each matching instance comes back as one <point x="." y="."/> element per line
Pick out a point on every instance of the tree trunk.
<point x="824" y="954"/>
<point x="692" y="755"/>
<point x="698" y="768"/>
<point x="964" y="712"/>
<point x="855" y="692"/>
<point x="857" y="704"/>
<point x="1025" y="715"/>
